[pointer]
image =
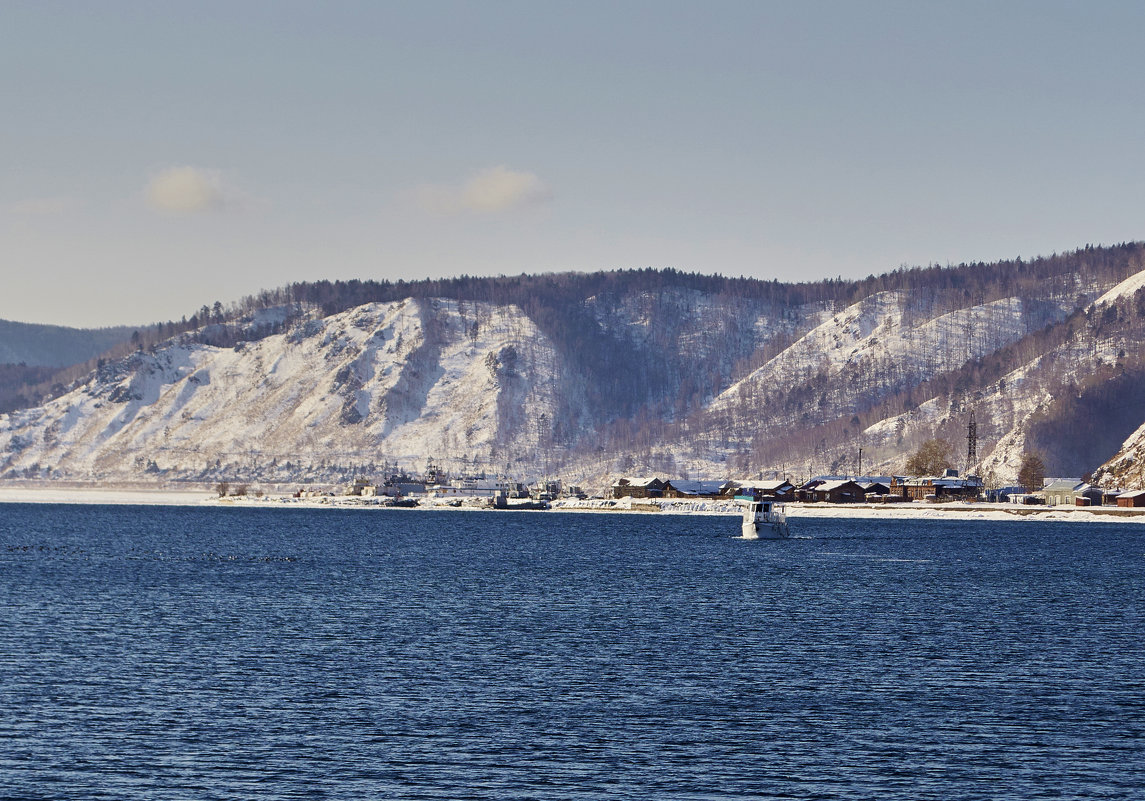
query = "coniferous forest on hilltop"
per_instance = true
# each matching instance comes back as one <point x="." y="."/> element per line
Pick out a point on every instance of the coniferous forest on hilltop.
<point x="595" y="374"/>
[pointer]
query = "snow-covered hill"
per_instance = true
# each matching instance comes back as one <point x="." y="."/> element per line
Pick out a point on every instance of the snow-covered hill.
<point x="664" y="375"/>
<point x="399" y="381"/>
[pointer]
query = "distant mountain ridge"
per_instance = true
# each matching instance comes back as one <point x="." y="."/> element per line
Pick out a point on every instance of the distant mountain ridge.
<point x="642" y="371"/>
<point x="37" y="345"/>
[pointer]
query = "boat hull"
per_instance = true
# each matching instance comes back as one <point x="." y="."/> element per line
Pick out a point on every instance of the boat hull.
<point x="764" y="531"/>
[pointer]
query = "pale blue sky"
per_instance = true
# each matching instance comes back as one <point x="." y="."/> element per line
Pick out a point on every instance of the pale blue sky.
<point x="159" y="156"/>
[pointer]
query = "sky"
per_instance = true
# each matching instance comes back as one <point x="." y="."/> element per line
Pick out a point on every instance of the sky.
<point x="156" y="157"/>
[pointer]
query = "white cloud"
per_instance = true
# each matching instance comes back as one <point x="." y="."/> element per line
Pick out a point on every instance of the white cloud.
<point x="186" y="190"/>
<point x="487" y="191"/>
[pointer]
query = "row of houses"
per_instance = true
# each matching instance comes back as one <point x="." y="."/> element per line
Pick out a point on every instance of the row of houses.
<point x="821" y="489"/>
<point x="401" y="485"/>
<point x="655" y="487"/>
<point x="1075" y="492"/>
<point x="824" y="489"/>
<point x="886" y="489"/>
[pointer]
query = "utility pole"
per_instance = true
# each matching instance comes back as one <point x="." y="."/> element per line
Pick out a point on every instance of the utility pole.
<point x="860" y="463"/>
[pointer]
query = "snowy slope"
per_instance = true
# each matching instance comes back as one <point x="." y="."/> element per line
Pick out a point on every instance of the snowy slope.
<point x="700" y="325"/>
<point x="871" y="349"/>
<point x="473" y="384"/>
<point x="1126" y="288"/>
<point x="872" y="333"/>
<point x="398" y="381"/>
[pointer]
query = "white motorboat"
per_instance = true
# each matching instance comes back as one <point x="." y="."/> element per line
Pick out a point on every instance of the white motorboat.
<point x="764" y="520"/>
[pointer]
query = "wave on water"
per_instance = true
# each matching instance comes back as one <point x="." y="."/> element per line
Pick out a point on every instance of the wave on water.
<point x="161" y="556"/>
<point x="873" y="557"/>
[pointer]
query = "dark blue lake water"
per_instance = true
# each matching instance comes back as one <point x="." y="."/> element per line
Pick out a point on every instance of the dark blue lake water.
<point x="161" y="653"/>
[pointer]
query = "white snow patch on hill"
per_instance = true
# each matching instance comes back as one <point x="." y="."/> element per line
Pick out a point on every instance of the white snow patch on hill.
<point x="1127" y="287"/>
<point x="873" y="333"/>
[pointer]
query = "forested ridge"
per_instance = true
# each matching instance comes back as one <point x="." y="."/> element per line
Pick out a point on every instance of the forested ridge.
<point x="664" y="381"/>
<point x="658" y="367"/>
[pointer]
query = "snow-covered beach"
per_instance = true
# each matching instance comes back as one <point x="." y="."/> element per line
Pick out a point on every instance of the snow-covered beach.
<point x="133" y="496"/>
<point x="895" y="511"/>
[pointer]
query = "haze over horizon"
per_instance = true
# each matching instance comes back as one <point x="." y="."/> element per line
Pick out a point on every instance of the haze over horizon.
<point x="159" y="158"/>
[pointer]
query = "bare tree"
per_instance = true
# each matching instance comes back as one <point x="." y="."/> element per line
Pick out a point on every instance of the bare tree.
<point x="931" y="459"/>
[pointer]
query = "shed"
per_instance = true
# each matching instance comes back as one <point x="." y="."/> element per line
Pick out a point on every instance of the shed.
<point x="1009" y="494"/>
<point x="1131" y="500"/>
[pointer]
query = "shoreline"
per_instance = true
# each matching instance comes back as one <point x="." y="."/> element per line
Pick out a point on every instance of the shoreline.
<point x="165" y="496"/>
<point x="105" y="496"/>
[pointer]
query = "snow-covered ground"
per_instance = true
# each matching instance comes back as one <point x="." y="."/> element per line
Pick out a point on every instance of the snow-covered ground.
<point x="105" y="496"/>
<point x="889" y="511"/>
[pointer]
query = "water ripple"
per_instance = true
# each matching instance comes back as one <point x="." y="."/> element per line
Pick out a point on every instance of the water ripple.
<point x="152" y="653"/>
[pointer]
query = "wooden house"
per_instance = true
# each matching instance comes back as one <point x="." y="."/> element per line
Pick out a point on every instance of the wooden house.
<point x="874" y="489"/>
<point x="947" y="487"/>
<point x="1131" y="500"/>
<point x="839" y="490"/>
<point x="638" y="488"/>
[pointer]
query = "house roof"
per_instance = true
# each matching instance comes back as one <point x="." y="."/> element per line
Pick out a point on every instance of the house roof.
<point x="770" y="484"/>
<point x="641" y="481"/>
<point x="1064" y="485"/>
<point x="696" y="487"/>
<point x="828" y="486"/>
<point x="940" y="481"/>
<point x="957" y="482"/>
<point x="1132" y="494"/>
